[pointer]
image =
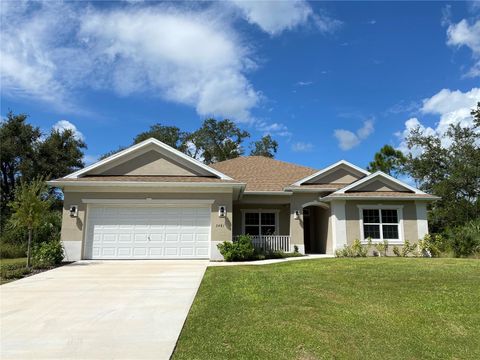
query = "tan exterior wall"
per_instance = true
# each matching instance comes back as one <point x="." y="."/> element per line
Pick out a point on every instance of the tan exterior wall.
<point x="73" y="228"/>
<point x="339" y="176"/>
<point x="150" y="163"/>
<point x="353" y="218"/>
<point x="380" y="186"/>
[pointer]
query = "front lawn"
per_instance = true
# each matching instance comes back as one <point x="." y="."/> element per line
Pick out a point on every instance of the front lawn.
<point x="373" y="308"/>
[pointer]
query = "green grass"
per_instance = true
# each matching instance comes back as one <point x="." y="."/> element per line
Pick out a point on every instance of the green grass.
<point x="13" y="269"/>
<point x="373" y="308"/>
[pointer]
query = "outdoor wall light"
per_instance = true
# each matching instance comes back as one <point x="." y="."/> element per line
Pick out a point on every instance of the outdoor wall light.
<point x="296" y="215"/>
<point x="74" y="211"/>
<point x="222" y="211"/>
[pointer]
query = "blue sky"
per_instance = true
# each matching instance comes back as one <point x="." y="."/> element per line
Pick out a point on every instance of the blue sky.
<point x="328" y="80"/>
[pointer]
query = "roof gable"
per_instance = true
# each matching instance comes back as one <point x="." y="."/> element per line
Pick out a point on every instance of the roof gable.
<point x="342" y="172"/>
<point x="380" y="185"/>
<point x="149" y="157"/>
<point x="150" y="162"/>
<point x="378" y="182"/>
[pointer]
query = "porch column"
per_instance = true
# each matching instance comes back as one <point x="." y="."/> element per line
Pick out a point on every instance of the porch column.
<point x="339" y="224"/>
<point x="296" y="225"/>
<point x="422" y="219"/>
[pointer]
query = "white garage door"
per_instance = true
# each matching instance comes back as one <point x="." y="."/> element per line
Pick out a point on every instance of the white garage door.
<point x="148" y="232"/>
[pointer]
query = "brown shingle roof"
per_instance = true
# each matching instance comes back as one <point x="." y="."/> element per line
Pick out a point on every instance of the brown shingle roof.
<point x="263" y="174"/>
<point x="149" y="178"/>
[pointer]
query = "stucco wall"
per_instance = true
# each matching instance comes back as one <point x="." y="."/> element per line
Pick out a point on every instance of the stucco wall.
<point x="338" y="176"/>
<point x="150" y="163"/>
<point x="73" y="228"/>
<point x="409" y="218"/>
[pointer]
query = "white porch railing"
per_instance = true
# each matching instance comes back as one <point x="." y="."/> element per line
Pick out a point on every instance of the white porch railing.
<point x="271" y="242"/>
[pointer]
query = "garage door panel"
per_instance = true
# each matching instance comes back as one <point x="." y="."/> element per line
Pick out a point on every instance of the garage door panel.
<point x="140" y="251"/>
<point x="186" y="251"/>
<point x="156" y="251"/>
<point x="125" y="238"/>
<point x="125" y="252"/>
<point x="156" y="238"/>
<point x="201" y="251"/>
<point x="148" y="232"/>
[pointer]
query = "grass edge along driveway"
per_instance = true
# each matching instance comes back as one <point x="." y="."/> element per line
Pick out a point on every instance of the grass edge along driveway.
<point x="373" y="308"/>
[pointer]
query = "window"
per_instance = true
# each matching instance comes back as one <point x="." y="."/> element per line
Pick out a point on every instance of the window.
<point x="381" y="224"/>
<point x="260" y="223"/>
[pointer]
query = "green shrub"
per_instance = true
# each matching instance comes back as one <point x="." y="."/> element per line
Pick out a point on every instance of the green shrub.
<point x="429" y="245"/>
<point x="240" y="249"/>
<point x="12" y="251"/>
<point x="50" y="227"/>
<point x="357" y="249"/>
<point x="382" y="247"/>
<point x="48" y="254"/>
<point x="406" y="249"/>
<point x="465" y="240"/>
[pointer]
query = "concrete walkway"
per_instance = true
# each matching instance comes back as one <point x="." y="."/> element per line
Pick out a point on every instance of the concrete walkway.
<point x="98" y="310"/>
<point x="270" y="261"/>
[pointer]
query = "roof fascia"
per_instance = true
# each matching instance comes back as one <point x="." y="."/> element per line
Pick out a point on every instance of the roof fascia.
<point x="374" y="176"/>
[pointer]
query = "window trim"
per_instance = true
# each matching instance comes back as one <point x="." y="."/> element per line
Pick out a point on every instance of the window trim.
<point x="259" y="211"/>
<point x="399" y="209"/>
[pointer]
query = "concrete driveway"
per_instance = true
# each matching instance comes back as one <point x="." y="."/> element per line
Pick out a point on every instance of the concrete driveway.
<point x="99" y="310"/>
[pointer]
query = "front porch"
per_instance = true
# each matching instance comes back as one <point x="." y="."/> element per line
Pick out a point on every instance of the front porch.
<point x="282" y="226"/>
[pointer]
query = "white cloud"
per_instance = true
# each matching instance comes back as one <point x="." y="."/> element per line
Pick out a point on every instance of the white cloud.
<point x="453" y="107"/>
<point x="302" y="146"/>
<point x="372" y="22"/>
<point x="63" y="125"/>
<point x="29" y="55"/>
<point x="464" y="34"/>
<point x="274" y="17"/>
<point x="305" y="83"/>
<point x="348" y="139"/>
<point x="273" y="129"/>
<point x="192" y="57"/>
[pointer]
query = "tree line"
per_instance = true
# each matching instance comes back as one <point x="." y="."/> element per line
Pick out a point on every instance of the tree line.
<point x="214" y="141"/>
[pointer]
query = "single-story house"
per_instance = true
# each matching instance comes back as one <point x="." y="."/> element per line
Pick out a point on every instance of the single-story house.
<point x="151" y="201"/>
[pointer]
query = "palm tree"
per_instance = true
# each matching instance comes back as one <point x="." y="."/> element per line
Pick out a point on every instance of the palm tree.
<point x="30" y="204"/>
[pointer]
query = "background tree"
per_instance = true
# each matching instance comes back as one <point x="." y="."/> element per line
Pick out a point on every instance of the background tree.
<point x="170" y="135"/>
<point x="112" y="152"/>
<point x="217" y="141"/>
<point x="388" y="160"/>
<point x="451" y="172"/>
<point x="17" y="154"/>
<point x="59" y="154"/>
<point x="24" y="155"/>
<point x="266" y="146"/>
<point x="30" y="204"/>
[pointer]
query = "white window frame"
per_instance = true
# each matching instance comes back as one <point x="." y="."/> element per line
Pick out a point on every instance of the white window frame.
<point x="399" y="209"/>
<point x="259" y="211"/>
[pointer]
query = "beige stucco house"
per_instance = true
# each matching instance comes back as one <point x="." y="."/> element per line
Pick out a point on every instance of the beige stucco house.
<point x="151" y="201"/>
